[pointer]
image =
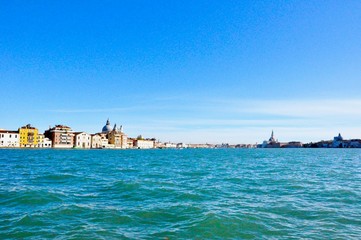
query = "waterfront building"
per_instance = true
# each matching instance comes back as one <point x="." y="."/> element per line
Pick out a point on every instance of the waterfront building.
<point x="118" y="138"/>
<point x="338" y="141"/>
<point x="182" y="145"/>
<point x="130" y="142"/>
<point x="293" y="144"/>
<point x="28" y="136"/>
<point x="107" y="128"/>
<point x="40" y="139"/>
<point x="355" y="143"/>
<point x="324" y="144"/>
<point x="223" y="145"/>
<point x="115" y="136"/>
<point x="170" y="145"/>
<point x="271" y="143"/>
<point x="96" y="141"/>
<point x="104" y="140"/>
<point x="82" y="140"/>
<point x="61" y="136"/>
<point x="46" y="143"/>
<point x="9" y="139"/>
<point x="246" y="146"/>
<point x="194" y="145"/>
<point x="144" y="143"/>
<point x="43" y="142"/>
<point x="200" y="145"/>
<point x="159" y="144"/>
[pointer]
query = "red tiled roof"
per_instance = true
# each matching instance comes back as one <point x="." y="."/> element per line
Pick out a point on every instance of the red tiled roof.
<point x="8" y="131"/>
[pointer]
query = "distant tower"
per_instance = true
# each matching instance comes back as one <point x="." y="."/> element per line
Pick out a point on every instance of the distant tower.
<point x="272" y="139"/>
<point x="340" y="137"/>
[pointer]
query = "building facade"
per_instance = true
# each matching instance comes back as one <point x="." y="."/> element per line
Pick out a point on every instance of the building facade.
<point x="28" y="136"/>
<point x="182" y="145"/>
<point x="116" y="137"/>
<point x="61" y="136"/>
<point x="144" y="143"/>
<point x="96" y="141"/>
<point x="46" y="143"/>
<point x="293" y="144"/>
<point x="9" y="139"/>
<point x="43" y="142"/>
<point x="82" y="140"/>
<point x="271" y="143"/>
<point x="170" y="145"/>
<point x="130" y="143"/>
<point x="104" y="140"/>
<point x="40" y="139"/>
<point x="338" y="141"/>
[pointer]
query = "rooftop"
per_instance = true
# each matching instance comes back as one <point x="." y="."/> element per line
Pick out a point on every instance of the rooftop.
<point x="8" y="131"/>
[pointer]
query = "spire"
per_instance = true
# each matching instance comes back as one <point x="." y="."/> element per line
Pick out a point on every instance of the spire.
<point x="272" y="139"/>
<point x="115" y="127"/>
<point x="340" y="137"/>
<point x="108" y="122"/>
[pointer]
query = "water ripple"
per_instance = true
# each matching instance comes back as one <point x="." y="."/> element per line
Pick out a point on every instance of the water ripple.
<point x="188" y="194"/>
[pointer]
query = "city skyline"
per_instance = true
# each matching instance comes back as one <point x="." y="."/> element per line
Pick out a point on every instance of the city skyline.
<point x="184" y="71"/>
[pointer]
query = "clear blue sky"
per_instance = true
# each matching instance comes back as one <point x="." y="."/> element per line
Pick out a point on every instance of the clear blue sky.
<point x="184" y="71"/>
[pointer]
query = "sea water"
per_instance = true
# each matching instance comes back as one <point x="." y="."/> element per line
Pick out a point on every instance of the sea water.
<point x="180" y="194"/>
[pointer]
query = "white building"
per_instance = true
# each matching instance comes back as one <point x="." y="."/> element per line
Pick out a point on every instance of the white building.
<point x="82" y="140"/>
<point x="47" y="143"/>
<point x="143" y="143"/>
<point x="182" y="145"/>
<point x="170" y="145"/>
<point x="96" y="141"/>
<point x="9" y="138"/>
<point x="104" y="140"/>
<point x="43" y="142"/>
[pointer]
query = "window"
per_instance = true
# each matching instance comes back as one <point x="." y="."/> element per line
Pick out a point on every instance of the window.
<point x="10" y="136"/>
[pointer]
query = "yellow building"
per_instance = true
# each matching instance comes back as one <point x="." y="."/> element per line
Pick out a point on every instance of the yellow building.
<point x="40" y="139"/>
<point x="28" y="136"/>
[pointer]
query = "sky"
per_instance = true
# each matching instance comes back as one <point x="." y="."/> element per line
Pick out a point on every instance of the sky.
<point x="184" y="71"/>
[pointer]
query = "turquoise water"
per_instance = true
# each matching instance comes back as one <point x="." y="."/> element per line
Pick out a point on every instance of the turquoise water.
<point x="180" y="194"/>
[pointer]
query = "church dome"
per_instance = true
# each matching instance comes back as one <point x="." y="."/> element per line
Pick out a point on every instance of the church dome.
<point x="107" y="128"/>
